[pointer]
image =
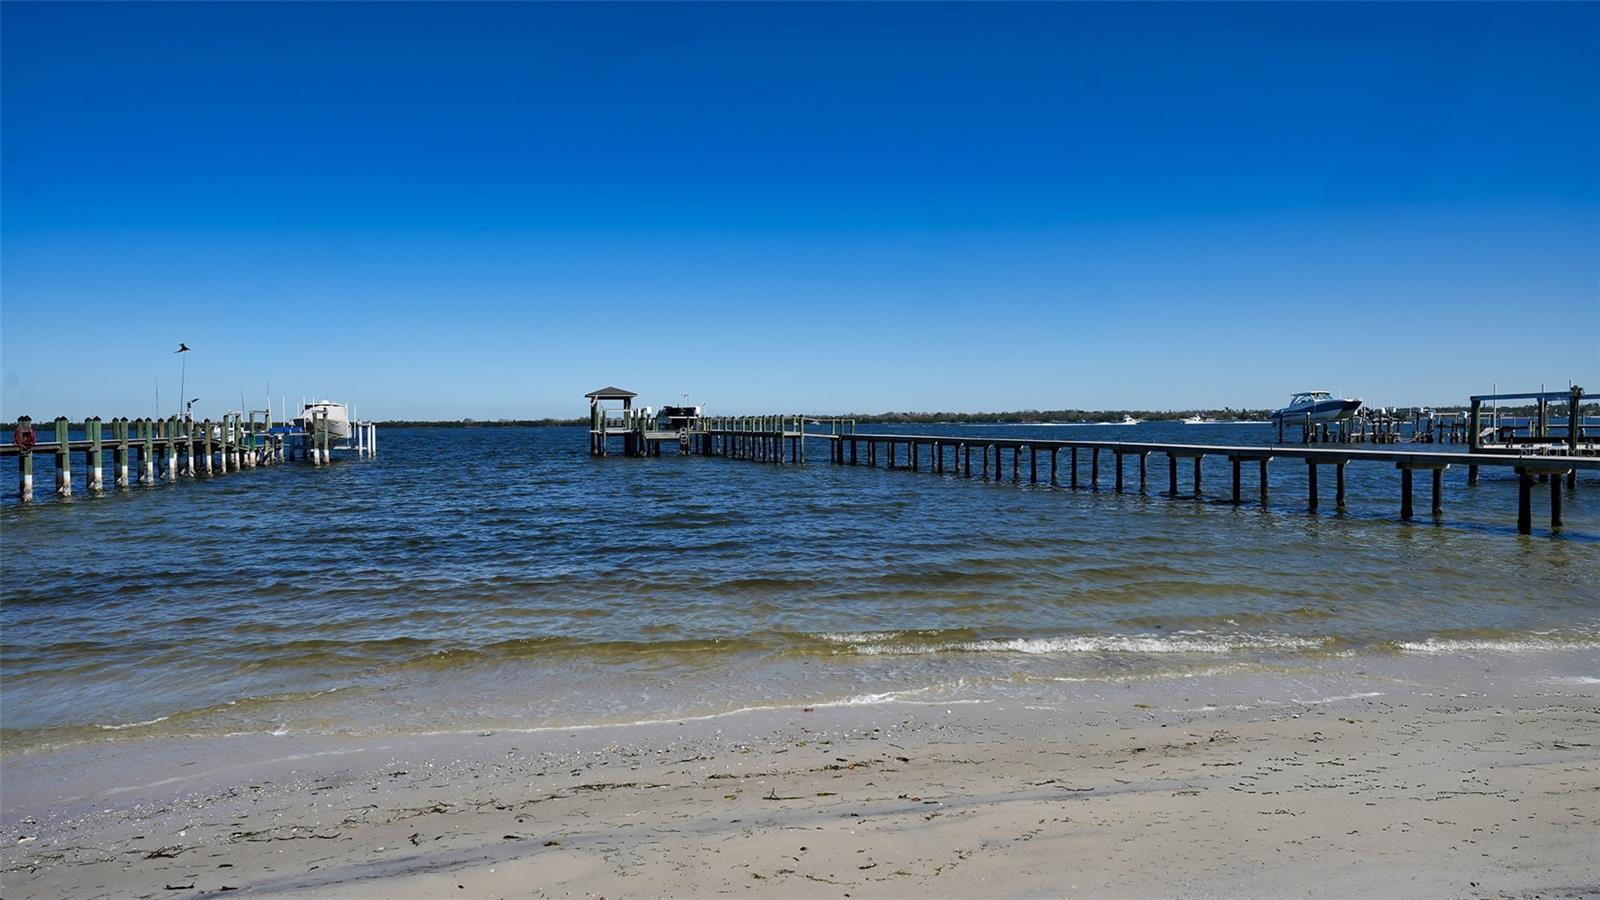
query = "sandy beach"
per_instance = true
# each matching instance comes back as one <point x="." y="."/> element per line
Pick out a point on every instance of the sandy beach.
<point x="1433" y="782"/>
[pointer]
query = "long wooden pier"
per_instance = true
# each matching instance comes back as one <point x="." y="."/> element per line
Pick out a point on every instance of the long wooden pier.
<point x="1079" y="463"/>
<point x="167" y="450"/>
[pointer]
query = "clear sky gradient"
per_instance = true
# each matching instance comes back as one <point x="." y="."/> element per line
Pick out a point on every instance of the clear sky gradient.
<point x="486" y="210"/>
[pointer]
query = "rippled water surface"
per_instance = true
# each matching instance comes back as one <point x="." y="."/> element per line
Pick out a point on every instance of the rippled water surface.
<point x="503" y="578"/>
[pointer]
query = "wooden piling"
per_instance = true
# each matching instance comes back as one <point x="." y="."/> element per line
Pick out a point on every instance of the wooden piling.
<point x="171" y="426"/>
<point x="1119" y="473"/>
<point x="1311" y="485"/>
<point x="1555" y="501"/>
<point x="1144" y="483"/>
<point x="1438" y="491"/>
<point x="63" y="457"/>
<point x="147" y="453"/>
<point x="1172" y="475"/>
<point x="1033" y="464"/>
<point x="1197" y="491"/>
<point x="94" y="431"/>
<point x="1524" y="501"/>
<point x="119" y="453"/>
<point x="25" y="464"/>
<point x="1074" y="468"/>
<point x="1405" y="493"/>
<point x="1235" y="462"/>
<point x="205" y="445"/>
<point x="1264" y="483"/>
<point x="1054" y="453"/>
<point x="1338" y="490"/>
<point x="1094" y="468"/>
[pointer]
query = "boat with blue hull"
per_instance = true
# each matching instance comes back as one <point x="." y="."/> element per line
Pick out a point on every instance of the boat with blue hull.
<point x="1320" y="406"/>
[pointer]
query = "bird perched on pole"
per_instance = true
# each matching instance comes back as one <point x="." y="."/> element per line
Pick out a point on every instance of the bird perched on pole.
<point x="182" y="348"/>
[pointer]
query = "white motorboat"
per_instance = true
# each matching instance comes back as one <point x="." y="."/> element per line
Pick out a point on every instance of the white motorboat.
<point x="1320" y="406"/>
<point x="338" y="418"/>
<point x="1199" y="420"/>
<point x="1130" y="420"/>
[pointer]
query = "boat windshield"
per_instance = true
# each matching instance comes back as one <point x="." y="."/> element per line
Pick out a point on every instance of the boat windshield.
<point x="1308" y="396"/>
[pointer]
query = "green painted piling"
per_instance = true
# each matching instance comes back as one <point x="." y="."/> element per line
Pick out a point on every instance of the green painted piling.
<point x="63" y="457"/>
<point x="93" y="429"/>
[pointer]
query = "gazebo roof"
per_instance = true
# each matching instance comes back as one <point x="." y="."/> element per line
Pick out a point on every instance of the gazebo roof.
<point x="611" y="393"/>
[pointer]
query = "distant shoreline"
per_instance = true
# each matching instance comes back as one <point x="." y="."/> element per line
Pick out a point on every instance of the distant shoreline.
<point x="1015" y="417"/>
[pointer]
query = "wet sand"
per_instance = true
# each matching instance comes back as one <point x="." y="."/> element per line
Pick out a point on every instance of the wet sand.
<point x="1340" y="784"/>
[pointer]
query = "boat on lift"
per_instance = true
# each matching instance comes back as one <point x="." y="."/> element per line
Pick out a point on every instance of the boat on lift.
<point x="338" y="418"/>
<point x="1320" y="406"/>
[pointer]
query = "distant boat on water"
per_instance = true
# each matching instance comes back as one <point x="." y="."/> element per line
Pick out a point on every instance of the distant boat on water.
<point x="1199" y="420"/>
<point x="1321" y="406"/>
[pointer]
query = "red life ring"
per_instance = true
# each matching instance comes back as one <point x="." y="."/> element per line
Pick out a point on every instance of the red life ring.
<point x="23" y="437"/>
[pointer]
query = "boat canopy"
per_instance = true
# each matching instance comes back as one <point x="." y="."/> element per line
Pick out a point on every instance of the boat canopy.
<point x="1308" y="396"/>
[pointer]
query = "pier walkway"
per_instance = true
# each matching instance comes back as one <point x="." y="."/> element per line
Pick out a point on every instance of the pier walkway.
<point x="1078" y="463"/>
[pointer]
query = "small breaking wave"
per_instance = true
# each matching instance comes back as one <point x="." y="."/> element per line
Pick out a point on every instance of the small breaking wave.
<point x="1497" y="645"/>
<point x="896" y="644"/>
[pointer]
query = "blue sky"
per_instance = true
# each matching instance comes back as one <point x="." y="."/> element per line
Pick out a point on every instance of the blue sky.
<point x="486" y="210"/>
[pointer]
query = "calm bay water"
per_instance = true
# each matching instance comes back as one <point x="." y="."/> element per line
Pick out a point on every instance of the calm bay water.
<point x="492" y="578"/>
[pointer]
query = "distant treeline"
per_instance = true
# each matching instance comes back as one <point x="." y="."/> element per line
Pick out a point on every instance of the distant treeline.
<point x="1053" y="415"/>
<point x="481" y="423"/>
<point x="982" y="418"/>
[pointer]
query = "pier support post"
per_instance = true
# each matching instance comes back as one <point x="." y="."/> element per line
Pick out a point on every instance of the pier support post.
<point x="1472" y="474"/>
<point x="63" y="457"/>
<point x="172" y="448"/>
<point x="1197" y="493"/>
<point x="205" y="445"/>
<point x="1144" y="482"/>
<point x="1094" y="468"/>
<point x="1033" y="464"/>
<point x="25" y="476"/>
<point x="985" y="462"/>
<point x="1438" y="491"/>
<point x="1074" y="474"/>
<point x="1264" y="461"/>
<point x="1172" y="475"/>
<point x="1338" y="485"/>
<point x="967" y="450"/>
<point x="1054" y="453"/>
<point x="1016" y="463"/>
<point x="1555" y="501"/>
<point x="119" y="454"/>
<point x="1405" y="493"/>
<point x="1524" y="501"/>
<point x="1311" y="485"/>
<point x="188" y="442"/>
<point x="93" y="429"/>
<point x="1235" y="462"/>
<point x="147" y="454"/>
<point x="1119" y="472"/>
<point x="999" y="464"/>
<point x="24" y="465"/>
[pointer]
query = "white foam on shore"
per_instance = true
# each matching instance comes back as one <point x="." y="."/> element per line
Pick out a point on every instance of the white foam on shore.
<point x="1572" y="680"/>
<point x="126" y="725"/>
<point x="1457" y="645"/>
<point x="1108" y="643"/>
